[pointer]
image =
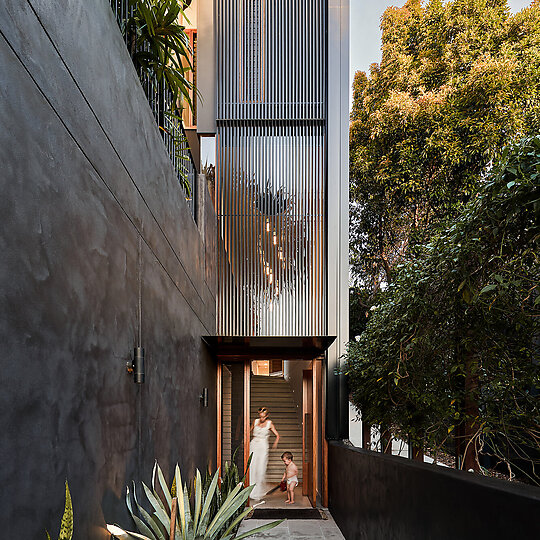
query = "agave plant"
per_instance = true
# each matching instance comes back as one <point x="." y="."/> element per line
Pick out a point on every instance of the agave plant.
<point x="175" y="516"/>
<point x="66" y="525"/>
<point x="229" y="480"/>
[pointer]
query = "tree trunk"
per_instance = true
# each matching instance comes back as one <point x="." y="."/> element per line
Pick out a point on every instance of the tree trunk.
<point x="386" y="441"/>
<point x="366" y="436"/>
<point x="466" y="436"/>
<point x="417" y="452"/>
<point x="472" y="412"/>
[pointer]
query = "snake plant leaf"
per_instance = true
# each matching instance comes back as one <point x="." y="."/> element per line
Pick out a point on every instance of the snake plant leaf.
<point x="163" y="485"/>
<point x="158" y="507"/>
<point x="173" y="487"/>
<point x="260" y="529"/>
<point x="198" y="498"/>
<point x="66" y="526"/>
<point x="48" y="535"/>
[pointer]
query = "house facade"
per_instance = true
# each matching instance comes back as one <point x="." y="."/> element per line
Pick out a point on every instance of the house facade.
<point x="274" y="108"/>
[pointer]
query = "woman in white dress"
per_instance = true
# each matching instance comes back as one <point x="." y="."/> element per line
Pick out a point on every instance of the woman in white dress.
<point x="258" y="446"/>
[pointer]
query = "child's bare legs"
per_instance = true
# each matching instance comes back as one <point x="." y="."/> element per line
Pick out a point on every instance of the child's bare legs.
<point x="290" y="493"/>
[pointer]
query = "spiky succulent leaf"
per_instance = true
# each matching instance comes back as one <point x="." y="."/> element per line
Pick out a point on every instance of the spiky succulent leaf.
<point x="198" y="499"/>
<point x="231" y="506"/>
<point x="260" y="529"/>
<point x="224" y="512"/>
<point x="163" y="485"/>
<point x="181" y="502"/>
<point x="141" y="525"/>
<point x="186" y="504"/>
<point x="205" y="515"/>
<point x="159" y="511"/>
<point x="236" y="521"/>
<point x="153" y="522"/>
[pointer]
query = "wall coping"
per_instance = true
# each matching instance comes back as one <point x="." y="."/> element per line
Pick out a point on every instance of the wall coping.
<point x="497" y="484"/>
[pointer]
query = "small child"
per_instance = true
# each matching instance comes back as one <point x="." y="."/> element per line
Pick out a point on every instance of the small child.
<point x="290" y="474"/>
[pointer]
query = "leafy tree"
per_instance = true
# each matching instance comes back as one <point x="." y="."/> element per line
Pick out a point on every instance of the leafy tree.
<point x="451" y="349"/>
<point x="458" y="80"/>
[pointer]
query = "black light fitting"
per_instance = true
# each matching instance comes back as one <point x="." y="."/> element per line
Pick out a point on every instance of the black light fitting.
<point x="136" y="366"/>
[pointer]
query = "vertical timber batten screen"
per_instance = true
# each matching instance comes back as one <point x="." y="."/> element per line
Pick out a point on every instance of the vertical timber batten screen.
<point x="271" y="180"/>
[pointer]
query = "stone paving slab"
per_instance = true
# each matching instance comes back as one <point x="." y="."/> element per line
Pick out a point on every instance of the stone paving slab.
<point x="292" y="529"/>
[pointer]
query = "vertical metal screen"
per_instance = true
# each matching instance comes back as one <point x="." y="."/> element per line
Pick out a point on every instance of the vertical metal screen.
<point x="270" y="187"/>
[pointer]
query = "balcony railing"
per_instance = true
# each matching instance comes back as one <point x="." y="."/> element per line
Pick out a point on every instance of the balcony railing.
<point x="170" y="127"/>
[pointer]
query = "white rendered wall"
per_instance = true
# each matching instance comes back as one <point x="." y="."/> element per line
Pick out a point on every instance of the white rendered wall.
<point x="338" y="204"/>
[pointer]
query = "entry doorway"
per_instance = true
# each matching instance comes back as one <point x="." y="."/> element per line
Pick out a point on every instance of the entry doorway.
<point x="292" y="392"/>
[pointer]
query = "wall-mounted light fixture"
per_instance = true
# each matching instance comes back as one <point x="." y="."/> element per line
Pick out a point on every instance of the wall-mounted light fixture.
<point x="136" y="366"/>
<point x="204" y="397"/>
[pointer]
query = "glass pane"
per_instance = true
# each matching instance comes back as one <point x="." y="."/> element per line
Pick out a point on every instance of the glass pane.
<point x="232" y="431"/>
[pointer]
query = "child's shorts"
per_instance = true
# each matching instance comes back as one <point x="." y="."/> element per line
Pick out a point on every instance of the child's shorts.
<point x="293" y="479"/>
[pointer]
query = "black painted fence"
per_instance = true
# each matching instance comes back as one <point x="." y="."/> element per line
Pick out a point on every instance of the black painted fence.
<point x="374" y="496"/>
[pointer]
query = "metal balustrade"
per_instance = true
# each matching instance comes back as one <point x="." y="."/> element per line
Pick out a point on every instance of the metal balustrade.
<point x="170" y="127"/>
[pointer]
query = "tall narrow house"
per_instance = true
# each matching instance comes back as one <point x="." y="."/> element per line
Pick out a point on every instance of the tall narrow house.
<point x="274" y="100"/>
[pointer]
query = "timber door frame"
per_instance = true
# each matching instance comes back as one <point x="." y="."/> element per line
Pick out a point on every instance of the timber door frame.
<point x="316" y="406"/>
<point x="312" y="404"/>
<point x="247" y="415"/>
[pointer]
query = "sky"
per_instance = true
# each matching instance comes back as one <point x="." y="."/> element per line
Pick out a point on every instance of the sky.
<point x="365" y="38"/>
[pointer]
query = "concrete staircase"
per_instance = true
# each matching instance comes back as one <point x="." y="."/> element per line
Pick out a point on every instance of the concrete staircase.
<point x="275" y="394"/>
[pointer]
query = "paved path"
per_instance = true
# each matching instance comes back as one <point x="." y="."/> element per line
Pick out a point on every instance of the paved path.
<point x="290" y="529"/>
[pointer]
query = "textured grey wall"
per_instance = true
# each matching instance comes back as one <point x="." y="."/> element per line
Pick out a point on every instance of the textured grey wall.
<point x="89" y="198"/>
<point x="379" y="497"/>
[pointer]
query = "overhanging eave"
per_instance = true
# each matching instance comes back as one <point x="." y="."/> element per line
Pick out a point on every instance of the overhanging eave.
<point x="237" y="348"/>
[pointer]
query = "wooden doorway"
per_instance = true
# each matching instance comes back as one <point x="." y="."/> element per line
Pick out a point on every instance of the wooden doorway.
<point x="311" y="419"/>
<point x="234" y="408"/>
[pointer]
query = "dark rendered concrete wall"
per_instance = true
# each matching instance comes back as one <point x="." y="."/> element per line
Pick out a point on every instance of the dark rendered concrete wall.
<point x="92" y="215"/>
<point x="378" y="497"/>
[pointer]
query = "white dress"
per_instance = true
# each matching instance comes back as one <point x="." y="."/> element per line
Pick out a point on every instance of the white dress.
<point x="259" y="448"/>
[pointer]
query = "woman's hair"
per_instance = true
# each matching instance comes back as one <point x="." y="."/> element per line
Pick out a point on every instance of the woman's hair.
<point x="263" y="409"/>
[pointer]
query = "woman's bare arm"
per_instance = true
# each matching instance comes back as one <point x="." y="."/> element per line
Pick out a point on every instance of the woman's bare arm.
<point x="274" y="431"/>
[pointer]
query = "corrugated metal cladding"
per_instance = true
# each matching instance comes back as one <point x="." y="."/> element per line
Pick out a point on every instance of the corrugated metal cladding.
<point x="271" y="164"/>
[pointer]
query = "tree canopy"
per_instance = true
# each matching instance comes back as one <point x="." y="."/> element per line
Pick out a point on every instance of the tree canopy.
<point x="445" y="175"/>
<point x="458" y="80"/>
<point x="451" y="349"/>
